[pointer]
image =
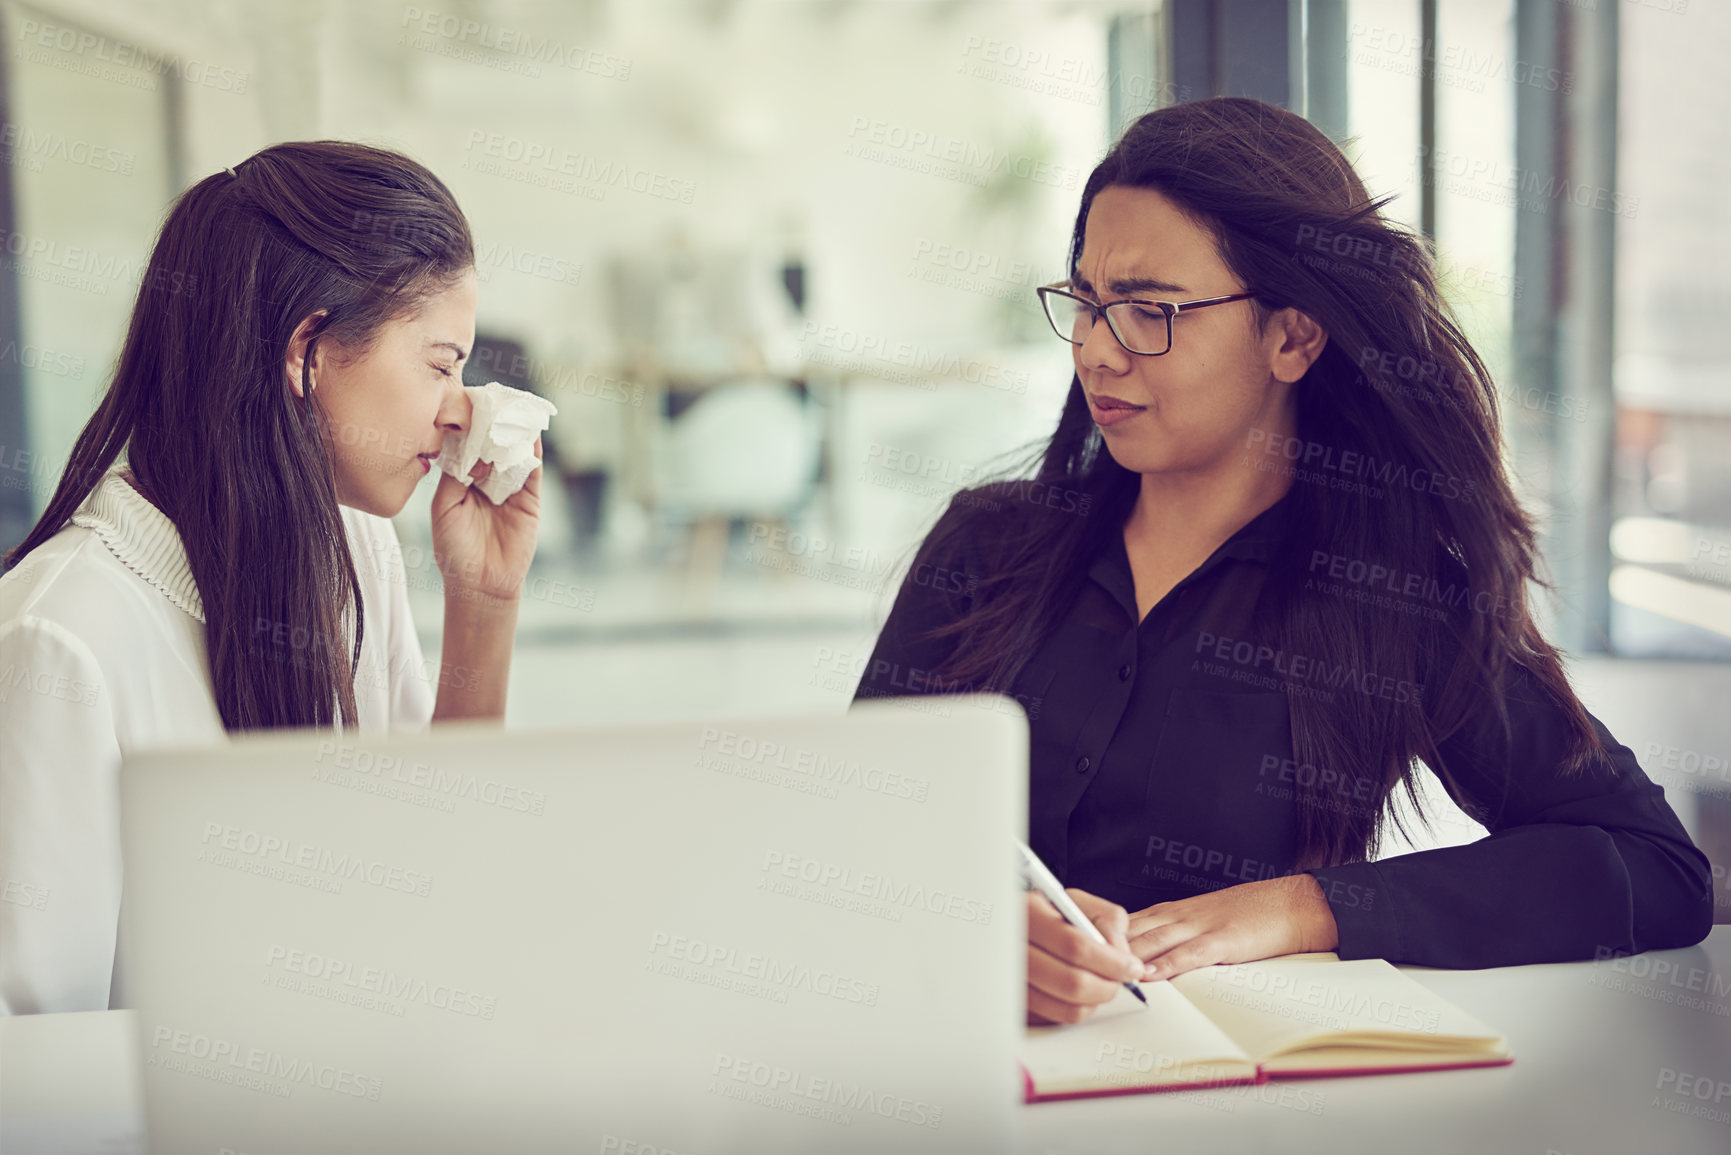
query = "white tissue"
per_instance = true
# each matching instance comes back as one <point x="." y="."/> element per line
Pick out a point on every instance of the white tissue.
<point x="502" y="431"/>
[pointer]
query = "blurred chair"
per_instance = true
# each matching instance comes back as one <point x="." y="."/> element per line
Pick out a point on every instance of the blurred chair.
<point x="743" y="450"/>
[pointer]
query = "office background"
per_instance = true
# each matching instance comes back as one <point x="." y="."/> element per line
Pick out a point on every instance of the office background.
<point x="774" y="262"/>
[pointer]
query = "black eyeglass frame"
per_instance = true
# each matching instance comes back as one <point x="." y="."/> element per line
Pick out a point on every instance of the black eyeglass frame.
<point x="1169" y="309"/>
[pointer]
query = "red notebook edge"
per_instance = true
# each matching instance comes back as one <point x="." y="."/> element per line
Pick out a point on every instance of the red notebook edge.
<point x="1029" y="1095"/>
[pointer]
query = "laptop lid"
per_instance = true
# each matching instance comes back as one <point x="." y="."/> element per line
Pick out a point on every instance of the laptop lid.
<point x="783" y="934"/>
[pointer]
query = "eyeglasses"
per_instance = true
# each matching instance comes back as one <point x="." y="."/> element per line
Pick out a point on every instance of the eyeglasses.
<point x="1142" y="327"/>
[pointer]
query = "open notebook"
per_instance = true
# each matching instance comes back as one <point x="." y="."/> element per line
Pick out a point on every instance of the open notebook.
<point x="1295" y="1016"/>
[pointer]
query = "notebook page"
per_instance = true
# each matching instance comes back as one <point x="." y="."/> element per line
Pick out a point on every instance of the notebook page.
<point x="1125" y="1045"/>
<point x="1275" y="1006"/>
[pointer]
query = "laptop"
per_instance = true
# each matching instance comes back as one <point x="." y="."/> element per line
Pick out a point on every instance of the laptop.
<point x="770" y="935"/>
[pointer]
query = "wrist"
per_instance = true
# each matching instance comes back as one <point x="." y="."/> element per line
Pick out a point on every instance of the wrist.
<point x="1317" y="928"/>
<point x="472" y="600"/>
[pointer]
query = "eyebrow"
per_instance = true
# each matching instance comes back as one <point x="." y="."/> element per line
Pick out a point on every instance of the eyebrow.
<point x="452" y="346"/>
<point x="1128" y="286"/>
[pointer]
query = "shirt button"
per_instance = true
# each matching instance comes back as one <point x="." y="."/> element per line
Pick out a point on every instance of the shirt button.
<point x="1082" y="765"/>
<point x="1124" y="672"/>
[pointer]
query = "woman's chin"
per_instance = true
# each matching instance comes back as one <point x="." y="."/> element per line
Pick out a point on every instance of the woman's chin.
<point x="381" y="496"/>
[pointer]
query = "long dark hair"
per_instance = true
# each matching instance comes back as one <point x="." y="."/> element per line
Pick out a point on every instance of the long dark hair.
<point x="1397" y="384"/>
<point x="213" y="433"/>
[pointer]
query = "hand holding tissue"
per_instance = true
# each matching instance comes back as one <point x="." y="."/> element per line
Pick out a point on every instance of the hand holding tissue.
<point x="503" y="425"/>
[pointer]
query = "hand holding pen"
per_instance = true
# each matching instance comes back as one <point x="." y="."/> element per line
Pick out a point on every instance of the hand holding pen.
<point x="1073" y="968"/>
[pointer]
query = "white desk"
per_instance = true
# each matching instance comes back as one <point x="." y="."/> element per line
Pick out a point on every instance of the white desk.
<point x="1590" y="1046"/>
<point x="1592" y="1042"/>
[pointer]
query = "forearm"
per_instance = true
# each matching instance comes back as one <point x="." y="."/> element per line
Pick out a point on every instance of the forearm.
<point x="1542" y="893"/>
<point x="475" y="656"/>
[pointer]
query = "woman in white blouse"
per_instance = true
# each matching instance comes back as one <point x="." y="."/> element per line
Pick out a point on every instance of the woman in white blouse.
<point x="218" y="555"/>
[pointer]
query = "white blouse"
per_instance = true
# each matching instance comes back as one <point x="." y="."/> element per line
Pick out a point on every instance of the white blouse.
<point x="102" y="654"/>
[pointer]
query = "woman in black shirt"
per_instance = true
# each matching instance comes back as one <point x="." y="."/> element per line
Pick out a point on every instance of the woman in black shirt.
<point x="1269" y="558"/>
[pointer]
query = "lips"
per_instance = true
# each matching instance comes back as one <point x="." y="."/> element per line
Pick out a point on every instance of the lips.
<point x="1108" y="410"/>
<point x="1107" y="401"/>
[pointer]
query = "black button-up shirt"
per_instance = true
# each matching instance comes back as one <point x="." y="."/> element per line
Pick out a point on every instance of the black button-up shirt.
<point x="1161" y="767"/>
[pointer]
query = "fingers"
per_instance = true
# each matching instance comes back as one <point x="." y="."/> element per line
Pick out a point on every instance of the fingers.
<point x="1112" y="919"/>
<point x="1153" y="941"/>
<point x="1048" y="930"/>
<point x="1044" y="1010"/>
<point x="1069" y="974"/>
<point x="533" y="485"/>
<point x="1201" y="951"/>
<point x="1061" y="993"/>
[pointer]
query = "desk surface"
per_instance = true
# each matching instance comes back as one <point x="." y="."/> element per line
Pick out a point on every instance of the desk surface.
<point x="1593" y="1042"/>
<point x="1611" y="1057"/>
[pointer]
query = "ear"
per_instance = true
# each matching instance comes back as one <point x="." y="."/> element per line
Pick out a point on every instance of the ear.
<point x="1296" y="342"/>
<point x="297" y="352"/>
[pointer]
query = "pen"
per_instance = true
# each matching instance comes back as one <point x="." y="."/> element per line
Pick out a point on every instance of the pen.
<point x="1040" y="878"/>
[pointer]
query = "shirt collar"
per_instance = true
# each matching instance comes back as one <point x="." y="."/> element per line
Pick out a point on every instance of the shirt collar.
<point x="1255" y="540"/>
<point x="142" y="537"/>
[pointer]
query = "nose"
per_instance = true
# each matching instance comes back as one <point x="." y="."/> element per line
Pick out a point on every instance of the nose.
<point x="1101" y="349"/>
<point x="455" y="408"/>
